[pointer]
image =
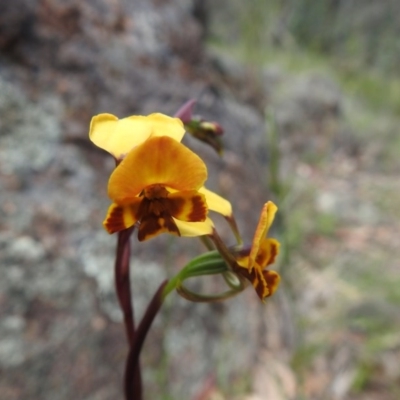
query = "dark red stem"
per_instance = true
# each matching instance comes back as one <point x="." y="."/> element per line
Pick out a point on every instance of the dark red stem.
<point x="123" y="283"/>
<point x="132" y="391"/>
<point x="124" y="293"/>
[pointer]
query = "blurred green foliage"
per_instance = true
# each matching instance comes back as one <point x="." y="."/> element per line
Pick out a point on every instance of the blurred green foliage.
<point x="362" y="33"/>
<point x="358" y="37"/>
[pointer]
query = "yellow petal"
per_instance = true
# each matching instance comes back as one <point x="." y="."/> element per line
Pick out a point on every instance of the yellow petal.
<point x="121" y="217"/>
<point x="159" y="160"/>
<point x="217" y="203"/>
<point x="119" y="136"/>
<point x="272" y="279"/>
<point x="267" y="252"/>
<point x="266" y="218"/>
<point x="192" y="229"/>
<point x="163" y="125"/>
<point x="188" y="206"/>
<point x="243" y="261"/>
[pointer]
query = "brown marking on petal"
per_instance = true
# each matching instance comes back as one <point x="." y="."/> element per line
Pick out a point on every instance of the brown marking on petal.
<point x="151" y="207"/>
<point x="257" y="280"/>
<point x="152" y="225"/>
<point x="272" y="279"/>
<point x="176" y="205"/>
<point x="115" y="220"/>
<point x="143" y="209"/>
<point x="274" y="249"/>
<point x="188" y="205"/>
<point x="157" y="207"/>
<point x="267" y="252"/>
<point x="259" y="283"/>
<point x="199" y="209"/>
<point x="155" y="192"/>
<point x="265" y="283"/>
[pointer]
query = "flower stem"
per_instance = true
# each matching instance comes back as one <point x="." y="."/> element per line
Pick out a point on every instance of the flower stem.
<point x="223" y="250"/>
<point x="122" y="282"/>
<point x="132" y="391"/>
<point x="124" y="293"/>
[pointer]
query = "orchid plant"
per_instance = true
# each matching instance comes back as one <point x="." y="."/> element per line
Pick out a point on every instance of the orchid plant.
<point x="158" y="187"/>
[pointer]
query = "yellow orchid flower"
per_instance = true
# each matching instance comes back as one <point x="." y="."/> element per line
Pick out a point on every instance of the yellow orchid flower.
<point x="160" y="185"/>
<point x="119" y="136"/>
<point x="253" y="264"/>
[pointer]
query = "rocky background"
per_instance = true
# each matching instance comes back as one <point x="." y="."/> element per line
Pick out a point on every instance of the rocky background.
<point x="61" y="338"/>
<point x="61" y="334"/>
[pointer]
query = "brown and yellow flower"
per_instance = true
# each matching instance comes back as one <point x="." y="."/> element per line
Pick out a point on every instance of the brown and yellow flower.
<point x="253" y="263"/>
<point x="119" y="136"/>
<point x="159" y="185"/>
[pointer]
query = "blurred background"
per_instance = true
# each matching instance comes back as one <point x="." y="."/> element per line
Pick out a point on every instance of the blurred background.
<point x="308" y="93"/>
